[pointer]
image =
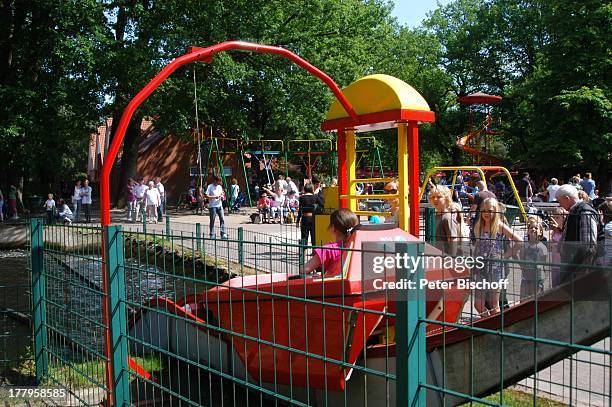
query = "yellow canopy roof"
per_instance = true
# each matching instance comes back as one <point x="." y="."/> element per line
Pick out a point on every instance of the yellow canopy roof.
<point x="378" y="93"/>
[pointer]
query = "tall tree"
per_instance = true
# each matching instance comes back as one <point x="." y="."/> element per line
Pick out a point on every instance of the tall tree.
<point x="243" y="94"/>
<point x="48" y="88"/>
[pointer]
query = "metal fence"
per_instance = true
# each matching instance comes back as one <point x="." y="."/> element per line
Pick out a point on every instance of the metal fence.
<point x="200" y="321"/>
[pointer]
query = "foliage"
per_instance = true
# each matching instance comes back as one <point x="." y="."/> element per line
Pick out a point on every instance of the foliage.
<point x="48" y="87"/>
<point x="66" y="65"/>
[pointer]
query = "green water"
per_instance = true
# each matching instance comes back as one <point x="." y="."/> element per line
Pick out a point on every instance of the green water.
<point x="15" y="294"/>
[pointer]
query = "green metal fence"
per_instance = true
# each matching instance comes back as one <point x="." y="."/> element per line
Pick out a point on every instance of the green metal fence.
<point x="199" y="321"/>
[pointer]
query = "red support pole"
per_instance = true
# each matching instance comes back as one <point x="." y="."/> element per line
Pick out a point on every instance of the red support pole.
<point x="413" y="177"/>
<point x="342" y="168"/>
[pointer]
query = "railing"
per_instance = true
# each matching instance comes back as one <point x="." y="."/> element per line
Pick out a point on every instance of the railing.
<point x="181" y="333"/>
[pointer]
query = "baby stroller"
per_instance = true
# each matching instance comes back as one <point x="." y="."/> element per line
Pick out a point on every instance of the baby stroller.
<point x="238" y="203"/>
<point x="191" y="201"/>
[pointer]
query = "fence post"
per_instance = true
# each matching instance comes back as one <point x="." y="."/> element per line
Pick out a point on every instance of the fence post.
<point x="411" y="347"/>
<point x="118" y="319"/>
<point x="430" y="225"/>
<point x="198" y="236"/>
<point x="167" y="227"/>
<point x="144" y="222"/>
<point x="241" y="245"/>
<point x="39" y="309"/>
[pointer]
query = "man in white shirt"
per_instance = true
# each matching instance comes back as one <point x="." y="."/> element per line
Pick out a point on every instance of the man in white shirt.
<point x="153" y="201"/>
<point x="215" y="195"/>
<point x="292" y="187"/>
<point x="552" y="190"/>
<point x="281" y="184"/>
<point x="86" y="200"/>
<point x="139" y="191"/>
<point x="161" y="209"/>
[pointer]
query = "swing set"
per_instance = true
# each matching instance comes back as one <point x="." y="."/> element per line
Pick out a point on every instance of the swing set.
<point x="374" y="159"/>
<point x="217" y="147"/>
<point x="264" y="152"/>
<point x="310" y="157"/>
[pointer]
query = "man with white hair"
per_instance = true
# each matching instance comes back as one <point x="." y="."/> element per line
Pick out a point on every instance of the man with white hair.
<point x="579" y="231"/>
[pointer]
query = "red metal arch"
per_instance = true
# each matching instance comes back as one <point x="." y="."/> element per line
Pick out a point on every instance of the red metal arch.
<point x="195" y="54"/>
<point x="204" y="55"/>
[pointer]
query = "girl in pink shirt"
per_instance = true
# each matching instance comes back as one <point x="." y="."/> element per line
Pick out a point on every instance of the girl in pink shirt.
<point x="342" y="222"/>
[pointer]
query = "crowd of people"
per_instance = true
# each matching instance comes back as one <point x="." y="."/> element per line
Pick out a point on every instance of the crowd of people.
<point x="578" y="233"/>
<point x="145" y="199"/>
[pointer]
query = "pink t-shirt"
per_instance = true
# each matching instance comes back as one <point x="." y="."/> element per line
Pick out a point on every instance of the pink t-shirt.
<point x="329" y="255"/>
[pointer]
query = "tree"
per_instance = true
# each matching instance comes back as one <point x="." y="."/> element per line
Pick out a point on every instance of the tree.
<point x="257" y="96"/>
<point x="48" y="88"/>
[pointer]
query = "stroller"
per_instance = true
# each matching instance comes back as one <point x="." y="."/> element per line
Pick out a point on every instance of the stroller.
<point x="238" y="203"/>
<point x="191" y="202"/>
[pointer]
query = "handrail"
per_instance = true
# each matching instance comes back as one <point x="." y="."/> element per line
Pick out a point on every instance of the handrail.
<point x="480" y="170"/>
<point x="372" y="180"/>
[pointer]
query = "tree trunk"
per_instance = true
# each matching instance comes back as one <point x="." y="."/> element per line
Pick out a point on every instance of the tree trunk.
<point x="129" y="159"/>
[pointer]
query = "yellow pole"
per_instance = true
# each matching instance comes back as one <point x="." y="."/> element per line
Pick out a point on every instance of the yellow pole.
<point x="402" y="175"/>
<point x="351" y="164"/>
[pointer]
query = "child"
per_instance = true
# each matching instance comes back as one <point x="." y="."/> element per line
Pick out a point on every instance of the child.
<point x="274" y="208"/>
<point x="534" y="252"/>
<point x="49" y="207"/>
<point x="557" y="221"/>
<point x="342" y="222"/>
<point x="263" y="206"/>
<point x="490" y="232"/>
<point x="65" y="213"/>
<point x="291" y="206"/>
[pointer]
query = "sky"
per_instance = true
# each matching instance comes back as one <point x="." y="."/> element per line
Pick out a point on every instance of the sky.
<point x="412" y="12"/>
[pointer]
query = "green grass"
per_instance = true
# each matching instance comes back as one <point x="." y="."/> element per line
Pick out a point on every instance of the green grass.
<point x="91" y="374"/>
<point x="515" y="398"/>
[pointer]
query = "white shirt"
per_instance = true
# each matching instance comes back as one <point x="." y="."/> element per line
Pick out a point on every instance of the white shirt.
<point x="65" y="211"/>
<point x="292" y="187"/>
<point x="217" y="192"/>
<point x="86" y="195"/>
<point x="161" y="189"/>
<point x="49" y="204"/>
<point x="552" y="192"/>
<point x="235" y="191"/>
<point x="152" y="197"/>
<point x="608" y="243"/>
<point x="281" y="184"/>
<point x="139" y="190"/>
<point x="76" y="195"/>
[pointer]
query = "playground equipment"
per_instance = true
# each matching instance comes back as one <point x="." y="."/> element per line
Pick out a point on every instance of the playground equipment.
<point x="311" y="157"/>
<point x="372" y="154"/>
<point x="306" y="337"/>
<point x="476" y="141"/>
<point x="482" y="171"/>
<point x="383" y="102"/>
<point x="215" y="160"/>
<point x="265" y="156"/>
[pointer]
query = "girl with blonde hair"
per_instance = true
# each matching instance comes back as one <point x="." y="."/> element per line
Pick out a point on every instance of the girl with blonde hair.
<point x="491" y="232"/>
<point x="446" y="224"/>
